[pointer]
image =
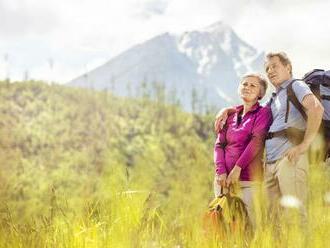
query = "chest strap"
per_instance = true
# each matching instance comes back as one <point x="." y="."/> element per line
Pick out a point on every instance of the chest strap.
<point x="325" y="97"/>
<point x="271" y="135"/>
<point x="294" y="135"/>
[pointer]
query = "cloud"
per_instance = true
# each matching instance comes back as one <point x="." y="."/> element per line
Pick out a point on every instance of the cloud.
<point x="75" y="32"/>
<point x="25" y="17"/>
<point x="150" y="8"/>
<point x="288" y="26"/>
<point x="156" y="7"/>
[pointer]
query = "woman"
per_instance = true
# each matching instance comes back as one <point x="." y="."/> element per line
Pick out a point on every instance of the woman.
<point x="239" y="145"/>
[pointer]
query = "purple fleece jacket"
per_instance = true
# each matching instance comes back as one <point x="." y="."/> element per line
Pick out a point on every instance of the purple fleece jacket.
<point x="241" y="142"/>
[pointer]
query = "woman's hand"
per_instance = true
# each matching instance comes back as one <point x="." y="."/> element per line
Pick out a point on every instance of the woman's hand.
<point x="233" y="176"/>
<point x="221" y="180"/>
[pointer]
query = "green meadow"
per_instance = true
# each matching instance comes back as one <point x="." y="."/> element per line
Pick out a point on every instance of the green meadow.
<point x="82" y="168"/>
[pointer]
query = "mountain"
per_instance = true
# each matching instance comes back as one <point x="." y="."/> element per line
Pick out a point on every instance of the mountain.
<point x="204" y="65"/>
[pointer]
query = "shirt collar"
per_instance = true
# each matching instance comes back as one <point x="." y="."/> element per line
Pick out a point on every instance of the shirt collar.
<point x="284" y="85"/>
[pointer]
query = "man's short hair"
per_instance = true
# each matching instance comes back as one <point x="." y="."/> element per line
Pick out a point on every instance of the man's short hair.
<point x="262" y="81"/>
<point x="283" y="58"/>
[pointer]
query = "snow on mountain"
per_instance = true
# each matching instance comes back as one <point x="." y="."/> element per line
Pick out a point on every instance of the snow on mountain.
<point x="208" y="61"/>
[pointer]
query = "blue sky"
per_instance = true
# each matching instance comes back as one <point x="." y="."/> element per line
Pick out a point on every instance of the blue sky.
<point x="78" y="35"/>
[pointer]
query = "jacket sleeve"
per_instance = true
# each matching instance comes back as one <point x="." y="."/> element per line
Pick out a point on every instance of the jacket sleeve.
<point x="256" y="144"/>
<point x="219" y="154"/>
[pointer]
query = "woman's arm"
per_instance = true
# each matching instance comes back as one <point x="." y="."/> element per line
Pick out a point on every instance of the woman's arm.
<point x="259" y="132"/>
<point x="219" y="155"/>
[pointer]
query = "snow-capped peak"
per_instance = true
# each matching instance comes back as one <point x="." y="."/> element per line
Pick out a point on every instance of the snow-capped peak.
<point x="217" y="27"/>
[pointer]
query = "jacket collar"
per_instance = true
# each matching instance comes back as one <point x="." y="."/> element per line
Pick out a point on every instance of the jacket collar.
<point x="254" y="108"/>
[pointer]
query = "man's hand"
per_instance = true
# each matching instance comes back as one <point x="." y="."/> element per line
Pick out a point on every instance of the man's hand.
<point x="233" y="176"/>
<point x="294" y="152"/>
<point x="220" y="120"/>
<point x="221" y="180"/>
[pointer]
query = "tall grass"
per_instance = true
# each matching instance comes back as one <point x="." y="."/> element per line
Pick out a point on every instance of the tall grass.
<point x="136" y="217"/>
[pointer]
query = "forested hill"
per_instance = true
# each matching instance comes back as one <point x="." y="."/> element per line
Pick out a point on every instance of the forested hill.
<point x="71" y="145"/>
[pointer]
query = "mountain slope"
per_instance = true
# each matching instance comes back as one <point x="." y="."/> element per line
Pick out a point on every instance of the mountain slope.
<point x="208" y="62"/>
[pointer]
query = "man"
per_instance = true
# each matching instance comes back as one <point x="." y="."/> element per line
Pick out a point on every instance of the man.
<point x="286" y="166"/>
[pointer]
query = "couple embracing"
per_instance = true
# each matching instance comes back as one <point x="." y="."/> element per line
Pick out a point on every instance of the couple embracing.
<point x="279" y="127"/>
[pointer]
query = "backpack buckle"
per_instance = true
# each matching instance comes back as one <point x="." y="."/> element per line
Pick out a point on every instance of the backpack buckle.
<point x="270" y="135"/>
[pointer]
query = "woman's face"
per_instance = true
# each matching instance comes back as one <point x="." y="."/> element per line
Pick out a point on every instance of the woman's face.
<point x="249" y="89"/>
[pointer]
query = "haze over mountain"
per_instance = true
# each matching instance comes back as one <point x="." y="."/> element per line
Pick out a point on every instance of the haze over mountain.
<point x="205" y="64"/>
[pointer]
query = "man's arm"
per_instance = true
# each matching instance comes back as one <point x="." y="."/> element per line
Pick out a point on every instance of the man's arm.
<point x="221" y="117"/>
<point x="314" y="111"/>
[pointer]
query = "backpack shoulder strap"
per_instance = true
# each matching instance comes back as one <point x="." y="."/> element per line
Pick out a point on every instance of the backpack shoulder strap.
<point x="271" y="99"/>
<point x="315" y="88"/>
<point x="291" y="97"/>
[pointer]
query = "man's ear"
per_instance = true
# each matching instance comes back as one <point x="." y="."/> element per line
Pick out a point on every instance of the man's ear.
<point x="289" y="68"/>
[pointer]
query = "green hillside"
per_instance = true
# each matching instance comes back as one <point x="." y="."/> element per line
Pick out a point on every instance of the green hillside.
<point x="65" y="149"/>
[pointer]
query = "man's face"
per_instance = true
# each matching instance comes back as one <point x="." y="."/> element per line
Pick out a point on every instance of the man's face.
<point x="277" y="73"/>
